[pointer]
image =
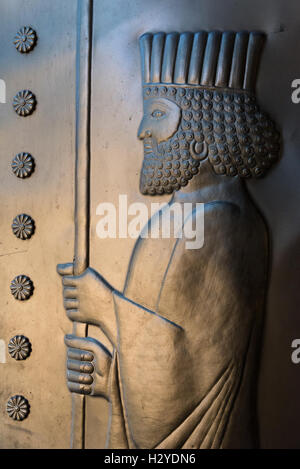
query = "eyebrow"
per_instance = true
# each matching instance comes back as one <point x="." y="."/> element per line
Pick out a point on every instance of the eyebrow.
<point x="160" y="104"/>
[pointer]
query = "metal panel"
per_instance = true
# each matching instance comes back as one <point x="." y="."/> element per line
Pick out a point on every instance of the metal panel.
<point x="48" y="197"/>
<point x="116" y="161"/>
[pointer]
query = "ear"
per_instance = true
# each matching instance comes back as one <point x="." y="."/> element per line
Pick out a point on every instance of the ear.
<point x="199" y="150"/>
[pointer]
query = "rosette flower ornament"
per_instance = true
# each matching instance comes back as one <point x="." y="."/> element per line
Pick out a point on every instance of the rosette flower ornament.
<point x="21" y="287"/>
<point x="25" y="39"/>
<point x="17" y="408"/>
<point x="19" y="347"/>
<point x="23" y="226"/>
<point x="22" y="165"/>
<point x="24" y="103"/>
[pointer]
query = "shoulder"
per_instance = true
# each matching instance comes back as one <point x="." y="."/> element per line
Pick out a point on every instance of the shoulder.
<point x="223" y="225"/>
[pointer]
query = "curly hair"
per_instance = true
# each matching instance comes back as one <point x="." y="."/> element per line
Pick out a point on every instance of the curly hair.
<point x="241" y="139"/>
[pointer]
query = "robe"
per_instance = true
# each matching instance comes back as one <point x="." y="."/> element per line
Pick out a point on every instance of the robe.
<point x="189" y="321"/>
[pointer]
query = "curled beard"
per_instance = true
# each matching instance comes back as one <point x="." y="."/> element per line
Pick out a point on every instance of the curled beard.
<point x="167" y="166"/>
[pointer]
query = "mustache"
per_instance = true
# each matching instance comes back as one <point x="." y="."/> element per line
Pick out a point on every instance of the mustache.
<point x="150" y="146"/>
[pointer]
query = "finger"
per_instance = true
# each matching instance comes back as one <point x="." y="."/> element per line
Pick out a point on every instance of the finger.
<point x="69" y="281"/>
<point x="79" y="388"/>
<point x="74" y="315"/>
<point x="76" y="377"/>
<point x="70" y="292"/>
<point x="71" y="304"/>
<point x="65" y="269"/>
<point x="87" y="343"/>
<point x="80" y="355"/>
<point x="82" y="367"/>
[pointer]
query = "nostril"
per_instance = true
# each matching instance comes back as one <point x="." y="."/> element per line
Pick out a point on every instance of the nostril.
<point x="142" y="133"/>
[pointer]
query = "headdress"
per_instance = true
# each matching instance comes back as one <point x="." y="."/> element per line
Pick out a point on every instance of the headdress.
<point x="207" y="59"/>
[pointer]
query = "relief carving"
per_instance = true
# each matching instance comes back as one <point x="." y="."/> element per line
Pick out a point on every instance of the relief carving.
<point x="199" y="103"/>
<point x="24" y="103"/>
<point x="23" y="226"/>
<point x="21" y="287"/>
<point x="18" y="408"/>
<point x="25" y="39"/>
<point x="23" y="165"/>
<point x="19" y="347"/>
<point x="185" y="330"/>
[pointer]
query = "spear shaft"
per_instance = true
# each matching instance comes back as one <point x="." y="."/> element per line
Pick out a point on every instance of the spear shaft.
<point x="82" y="184"/>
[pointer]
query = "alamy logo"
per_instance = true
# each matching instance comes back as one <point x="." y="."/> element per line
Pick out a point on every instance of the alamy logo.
<point x="2" y="92"/>
<point x="296" y="92"/>
<point x="295" y="357"/>
<point x="176" y="220"/>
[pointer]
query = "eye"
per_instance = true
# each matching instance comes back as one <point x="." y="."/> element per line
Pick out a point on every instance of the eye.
<point x="157" y="114"/>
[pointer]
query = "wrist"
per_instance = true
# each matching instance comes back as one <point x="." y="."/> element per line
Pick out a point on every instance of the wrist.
<point x="105" y="316"/>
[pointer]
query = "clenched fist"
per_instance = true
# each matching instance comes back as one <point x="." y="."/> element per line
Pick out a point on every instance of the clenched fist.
<point x="88" y="365"/>
<point x="88" y="298"/>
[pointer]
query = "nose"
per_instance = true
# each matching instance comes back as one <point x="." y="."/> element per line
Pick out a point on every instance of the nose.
<point x="143" y="131"/>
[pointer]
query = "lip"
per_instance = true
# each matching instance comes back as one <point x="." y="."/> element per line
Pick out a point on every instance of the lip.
<point x="150" y="145"/>
<point x="147" y="148"/>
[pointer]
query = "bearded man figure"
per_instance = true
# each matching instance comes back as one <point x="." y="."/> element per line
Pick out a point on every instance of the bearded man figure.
<point x="186" y="329"/>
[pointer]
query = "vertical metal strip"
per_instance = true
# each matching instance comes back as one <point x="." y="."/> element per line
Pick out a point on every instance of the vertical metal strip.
<point x="82" y="184"/>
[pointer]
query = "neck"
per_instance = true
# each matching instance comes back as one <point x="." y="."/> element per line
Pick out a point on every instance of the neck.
<point x="207" y="186"/>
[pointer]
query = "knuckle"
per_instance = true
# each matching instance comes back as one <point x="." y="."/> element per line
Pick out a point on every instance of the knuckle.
<point x="87" y="368"/>
<point x="79" y="388"/>
<point x="87" y="356"/>
<point x="73" y="364"/>
<point x="85" y="379"/>
<point x="85" y="389"/>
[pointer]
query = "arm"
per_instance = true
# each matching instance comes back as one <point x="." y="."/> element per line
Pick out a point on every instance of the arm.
<point x="143" y="340"/>
<point x="90" y="299"/>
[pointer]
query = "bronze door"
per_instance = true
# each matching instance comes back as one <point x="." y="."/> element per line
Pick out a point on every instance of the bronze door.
<point x="75" y="99"/>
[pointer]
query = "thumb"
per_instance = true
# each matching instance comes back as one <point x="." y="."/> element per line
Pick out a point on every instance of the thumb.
<point x="65" y="269"/>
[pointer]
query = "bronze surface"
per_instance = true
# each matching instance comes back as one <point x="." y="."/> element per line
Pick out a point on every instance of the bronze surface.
<point x="164" y="322"/>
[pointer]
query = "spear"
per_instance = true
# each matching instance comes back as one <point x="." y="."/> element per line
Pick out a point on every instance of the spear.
<point x="82" y="184"/>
